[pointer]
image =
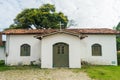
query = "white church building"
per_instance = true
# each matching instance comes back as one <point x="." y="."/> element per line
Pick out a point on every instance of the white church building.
<point x="61" y="48"/>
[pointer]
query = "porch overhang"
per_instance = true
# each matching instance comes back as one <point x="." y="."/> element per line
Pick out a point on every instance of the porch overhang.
<point x="80" y="36"/>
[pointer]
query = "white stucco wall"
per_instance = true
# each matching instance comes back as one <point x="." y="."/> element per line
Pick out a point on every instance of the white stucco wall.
<point x="109" y="54"/>
<point x="13" y="49"/>
<point x="75" y="49"/>
<point x="2" y="54"/>
<point x="78" y="49"/>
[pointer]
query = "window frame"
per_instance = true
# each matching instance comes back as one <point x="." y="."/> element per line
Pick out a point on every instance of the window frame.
<point x="96" y="50"/>
<point x="25" y="50"/>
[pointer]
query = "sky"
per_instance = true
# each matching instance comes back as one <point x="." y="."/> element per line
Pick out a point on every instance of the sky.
<point x="85" y="13"/>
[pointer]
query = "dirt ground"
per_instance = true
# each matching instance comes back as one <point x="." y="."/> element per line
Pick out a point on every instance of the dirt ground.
<point x="44" y="74"/>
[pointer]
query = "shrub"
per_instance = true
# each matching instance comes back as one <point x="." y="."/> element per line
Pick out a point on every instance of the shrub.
<point x="118" y="58"/>
<point x="2" y="62"/>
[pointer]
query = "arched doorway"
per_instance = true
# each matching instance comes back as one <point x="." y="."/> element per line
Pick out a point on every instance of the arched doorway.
<point x="60" y="55"/>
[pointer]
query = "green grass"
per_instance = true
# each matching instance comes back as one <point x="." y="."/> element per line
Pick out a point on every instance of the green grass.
<point x="95" y="72"/>
<point x="103" y="72"/>
<point x="5" y="68"/>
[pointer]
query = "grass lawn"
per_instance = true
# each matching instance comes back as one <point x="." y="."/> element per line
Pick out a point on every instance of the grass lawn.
<point x="6" y="68"/>
<point x="94" y="72"/>
<point x="103" y="72"/>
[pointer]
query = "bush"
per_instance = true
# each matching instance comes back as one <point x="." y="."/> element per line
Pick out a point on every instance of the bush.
<point x="118" y="58"/>
<point x="2" y="62"/>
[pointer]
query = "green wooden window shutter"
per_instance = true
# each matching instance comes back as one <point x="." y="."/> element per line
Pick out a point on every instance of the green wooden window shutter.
<point x="96" y="50"/>
<point x="25" y="50"/>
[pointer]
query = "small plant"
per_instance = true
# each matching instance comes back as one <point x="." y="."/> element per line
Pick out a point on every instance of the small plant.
<point x="32" y="63"/>
<point x="36" y="63"/>
<point x="85" y="63"/>
<point x="2" y="62"/>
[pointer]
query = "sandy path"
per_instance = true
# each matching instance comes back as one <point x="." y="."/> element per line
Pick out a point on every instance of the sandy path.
<point x="43" y="74"/>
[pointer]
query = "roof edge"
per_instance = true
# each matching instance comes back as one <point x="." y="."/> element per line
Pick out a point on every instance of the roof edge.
<point x="47" y="31"/>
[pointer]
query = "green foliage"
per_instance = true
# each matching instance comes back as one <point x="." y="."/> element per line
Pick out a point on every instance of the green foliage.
<point x="118" y="42"/>
<point x="2" y="62"/>
<point x="47" y="8"/>
<point x="43" y="17"/>
<point x="118" y="27"/>
<point x="118" y="36"/>
<point x="5" y="68"/>
<point x="118" y="58"/>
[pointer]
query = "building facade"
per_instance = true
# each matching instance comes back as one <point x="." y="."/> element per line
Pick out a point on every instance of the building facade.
<point x="61" y="48"/>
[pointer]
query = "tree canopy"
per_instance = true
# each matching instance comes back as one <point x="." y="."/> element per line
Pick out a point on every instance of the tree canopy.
<point x="118" y="27"/>
<point x="118" y="36"/>
<point x="43" y="17"/>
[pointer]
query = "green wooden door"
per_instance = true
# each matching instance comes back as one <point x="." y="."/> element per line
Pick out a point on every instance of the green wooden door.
<point x="61" y="55"/>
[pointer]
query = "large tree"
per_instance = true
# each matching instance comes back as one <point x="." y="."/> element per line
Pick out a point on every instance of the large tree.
<point x="118" y="36"/>
<point x="43" y="17"/>
<point x="118" y="27"/>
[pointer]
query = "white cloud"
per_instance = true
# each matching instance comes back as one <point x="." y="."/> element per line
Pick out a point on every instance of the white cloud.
<point x="86" y="13"/>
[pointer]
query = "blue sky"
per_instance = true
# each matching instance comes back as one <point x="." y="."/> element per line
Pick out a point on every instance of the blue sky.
<point x="85" y="13"/>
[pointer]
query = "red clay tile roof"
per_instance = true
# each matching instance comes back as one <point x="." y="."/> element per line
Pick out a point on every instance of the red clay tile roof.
<point x="47" y="31"/>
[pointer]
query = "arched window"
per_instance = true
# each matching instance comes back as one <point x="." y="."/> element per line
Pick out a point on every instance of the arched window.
<point x="25" y="50"/>
<point x="96" y="50"/>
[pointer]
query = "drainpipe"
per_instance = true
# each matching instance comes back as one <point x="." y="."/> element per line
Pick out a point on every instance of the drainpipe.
<point x="40" y="51"/>
<point x="7" y="48"/>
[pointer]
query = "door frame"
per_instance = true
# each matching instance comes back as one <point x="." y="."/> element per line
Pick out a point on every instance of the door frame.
<point x="53" y="51"/>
